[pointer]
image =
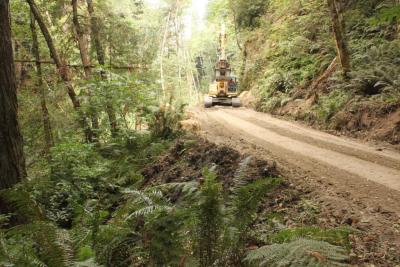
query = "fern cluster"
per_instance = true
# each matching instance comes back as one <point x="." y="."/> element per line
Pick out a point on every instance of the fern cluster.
<point x="299" y="253"/>
<point x="78" y="218"/>
<point x="39" y="243"/>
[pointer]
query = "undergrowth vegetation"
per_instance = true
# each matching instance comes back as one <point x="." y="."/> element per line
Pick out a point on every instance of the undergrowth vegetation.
<point x="292" y="44"/>
<point x="94" y="207"/>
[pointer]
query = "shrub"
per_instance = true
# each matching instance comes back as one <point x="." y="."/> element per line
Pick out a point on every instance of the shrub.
<point x="164" y="121"/>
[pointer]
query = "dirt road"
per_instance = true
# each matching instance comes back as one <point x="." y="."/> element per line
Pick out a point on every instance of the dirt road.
<point x="339" y="166"/>
<point x="352" y="183"/>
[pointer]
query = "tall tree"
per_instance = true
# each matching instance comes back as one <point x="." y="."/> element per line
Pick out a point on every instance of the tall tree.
<point x="82" y="40"/>
<point x="12" y="161"/>
<point x="48" y="135"/>
<point x="340" y="36"/>
<point x="95" y="34"/>
<point x="94" y="25"/>
<point x="83" y="45"/>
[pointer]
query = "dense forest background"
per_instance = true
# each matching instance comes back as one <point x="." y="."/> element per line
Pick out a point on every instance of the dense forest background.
<point x="112" y="179"/>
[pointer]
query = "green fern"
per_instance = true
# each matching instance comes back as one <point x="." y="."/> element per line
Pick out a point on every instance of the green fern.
<point x="40" y="243"/>
<point x="337" y="236"/>
<point x="186" y="189"/>
<point x="209" y="222"/>
<point x="298" y="253"/>
<point x="146" y="203"/>
<point x="21" y="204"/>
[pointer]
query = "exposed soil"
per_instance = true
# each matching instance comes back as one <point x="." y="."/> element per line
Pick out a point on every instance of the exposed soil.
<point x="352" y="183"/>
<point x="186" y="160"/>
<point x="366" y="121"/>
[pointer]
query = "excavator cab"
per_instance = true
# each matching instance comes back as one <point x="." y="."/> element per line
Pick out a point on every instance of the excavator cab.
<point x="223" y="91"/>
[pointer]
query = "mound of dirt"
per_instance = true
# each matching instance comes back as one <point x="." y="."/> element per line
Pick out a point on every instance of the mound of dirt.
<point x="365" y="120"/>
<point x="248" y="100"/>
<point x="186" y="160"/>
<point x="190" y="125"/>
<point x="371" y="123"/>
<point x="289" y="209"/>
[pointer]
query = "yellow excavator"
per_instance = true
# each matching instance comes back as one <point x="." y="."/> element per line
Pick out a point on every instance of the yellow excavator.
<point x="223" y="91"/>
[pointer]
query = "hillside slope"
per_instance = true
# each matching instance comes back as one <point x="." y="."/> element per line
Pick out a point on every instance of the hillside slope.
<point x="291" y="66"/>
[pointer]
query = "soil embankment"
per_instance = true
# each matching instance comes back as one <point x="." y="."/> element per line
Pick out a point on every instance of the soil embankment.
<point x="357" y="182"/>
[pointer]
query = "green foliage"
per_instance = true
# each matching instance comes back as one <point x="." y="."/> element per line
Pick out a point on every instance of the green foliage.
<point x="249" y="12"/>
<point x="299" y="253"/>
<point x="20" y="206"/>
<point x="40" y="243"/>
<point x="338" y="237"/>
<point x="164" y="232"/>
<point x="247" y="199"/>
<point x="74" y="161"/>
<point x="164" y="121"/>
<point x="244" y="205"/>
<point x="295" y="46"/>
<point x="209" y="220"/>
<point x="387" y="14"/>
<point x="327" y="106"/>
<point x="85" y="253"/>
<point x="376" y="70"/>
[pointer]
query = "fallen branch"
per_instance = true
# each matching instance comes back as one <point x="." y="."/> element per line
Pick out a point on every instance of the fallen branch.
<point x="129" y="67"/>
<point x="327" y="73"/>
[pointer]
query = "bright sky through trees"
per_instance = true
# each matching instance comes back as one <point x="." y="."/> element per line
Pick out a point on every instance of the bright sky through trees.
<point x="195" y="17"/>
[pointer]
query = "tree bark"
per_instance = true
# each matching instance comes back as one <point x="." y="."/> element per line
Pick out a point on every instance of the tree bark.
<point x="83" y="45"/>
<point x="82" y="41"/>
<point x="340" y="37"/>
<point x="12" y="160"/>
<point x="325" y="75"/>
<point x="94" y="25"/>
<point x="48" y="135"/>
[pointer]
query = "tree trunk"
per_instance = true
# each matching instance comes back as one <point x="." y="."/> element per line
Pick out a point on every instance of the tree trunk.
<point x="62" y="68"/>
<point x="83" y="45"/>
<point x="94" y="25"/>
<point x="48" y="135"/>
<point x="340" y="37"/>
<point x="325" y="75"/>
<point x="82" y="41"/>
<point x="12" y="160"/>
<point x="164" y="41"/>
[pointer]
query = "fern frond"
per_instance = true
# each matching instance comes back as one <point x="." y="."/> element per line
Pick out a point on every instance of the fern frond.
<point x="64" y="241"/>
<point x="186" y="188"/>
<point x="241" y="172"/>
<point x="22" y="204"/>
<point x="142" y="197"/>
<point x="54" y="244"/>
<point x="299" y="253"/>
<point x="148" y="211"/>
